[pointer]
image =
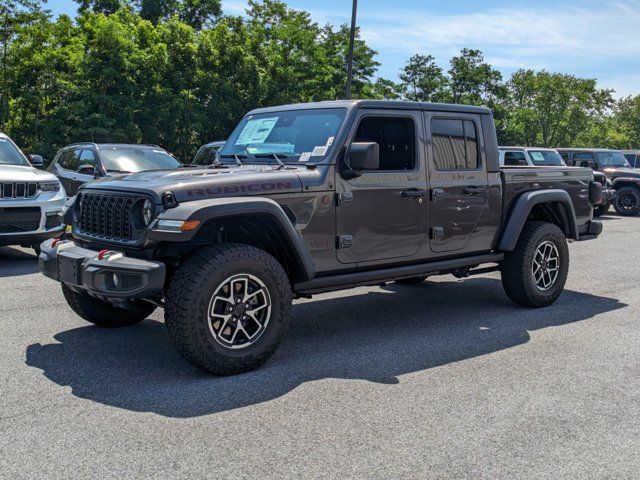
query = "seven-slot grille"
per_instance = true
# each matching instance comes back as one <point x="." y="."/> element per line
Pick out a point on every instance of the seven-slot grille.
<point x="19" y="219"/>
<point x="18" y="190"/>
<point x="107" y="216"/>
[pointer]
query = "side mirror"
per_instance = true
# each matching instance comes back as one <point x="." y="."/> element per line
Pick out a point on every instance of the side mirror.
<point x="364" y="156"/>
<point x="36" y="161"/>
<point x="86" y="170"/>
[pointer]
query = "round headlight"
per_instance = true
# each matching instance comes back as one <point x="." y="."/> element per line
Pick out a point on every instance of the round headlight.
<point x="147" y="212"/>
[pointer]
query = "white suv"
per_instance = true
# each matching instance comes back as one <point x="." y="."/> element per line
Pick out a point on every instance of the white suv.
<point x="30" y="199"/>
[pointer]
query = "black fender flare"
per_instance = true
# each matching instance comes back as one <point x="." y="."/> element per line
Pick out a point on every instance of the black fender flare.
<point x="620" y="182"/>
<point x="522" y="208"/>
<point x="221" y="208"/>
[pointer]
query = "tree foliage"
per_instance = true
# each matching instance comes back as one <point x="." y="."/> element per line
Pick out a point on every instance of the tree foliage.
<point x="179" y="73"/>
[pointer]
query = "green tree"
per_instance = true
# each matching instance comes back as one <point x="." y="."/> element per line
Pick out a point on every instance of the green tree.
<point x="422" y="80"/>
<point x="473" y="81"/>
<point x="101" y="6"/>
<point x="196" y="13"/>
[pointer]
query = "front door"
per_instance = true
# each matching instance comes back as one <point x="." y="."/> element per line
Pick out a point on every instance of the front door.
<point x="383" y="214"/>
<point x="459" y="182"/>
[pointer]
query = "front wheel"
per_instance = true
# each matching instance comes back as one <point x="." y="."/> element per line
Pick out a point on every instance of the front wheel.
<point x="228" y="308"/>
<point x="627" y="201"/>
<point x="104" y="314"/>
<point x="534" y="274"/>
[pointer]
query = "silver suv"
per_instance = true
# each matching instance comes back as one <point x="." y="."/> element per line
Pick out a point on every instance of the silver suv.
<point x="30" y="199"/>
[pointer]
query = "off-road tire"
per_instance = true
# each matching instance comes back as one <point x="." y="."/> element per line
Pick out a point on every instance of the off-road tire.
<point x="411" y="281"/>
<point x="600" y="210"/>
<point x="517" y="267"/>
<point x="624" y="194"/>
<point x="104" y="314"/>
<point x="188" y="298"/>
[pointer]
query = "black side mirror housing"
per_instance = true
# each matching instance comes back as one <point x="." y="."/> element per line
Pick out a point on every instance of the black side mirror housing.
<point x="36" y="161"/>
<point x="86" y="170"/>
<point x="364" y="156"/>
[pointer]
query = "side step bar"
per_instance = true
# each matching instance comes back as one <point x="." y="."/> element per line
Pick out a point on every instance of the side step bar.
<point x="374" y="277"/>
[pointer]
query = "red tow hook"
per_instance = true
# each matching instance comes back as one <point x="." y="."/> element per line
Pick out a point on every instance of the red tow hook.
<point x="56" y="242"/>
<point x="102" y="254"/>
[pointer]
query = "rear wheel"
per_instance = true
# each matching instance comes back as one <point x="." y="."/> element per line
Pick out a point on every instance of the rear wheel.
<point x="104" y="314"/>
<point x="627" y="201"/>
<point x="534" y="274"/>
<point x="228" y="308"/>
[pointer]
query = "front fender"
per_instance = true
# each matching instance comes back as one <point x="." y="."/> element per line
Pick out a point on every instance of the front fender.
<point x="619" y="182"/>
<point x="522" y="208"/>
<point x="225" y="208"/>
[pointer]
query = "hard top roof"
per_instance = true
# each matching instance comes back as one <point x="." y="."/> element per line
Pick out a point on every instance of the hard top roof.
<point x="378" y="104"/>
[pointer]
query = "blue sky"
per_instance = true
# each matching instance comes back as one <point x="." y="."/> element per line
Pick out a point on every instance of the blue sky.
<point x="596" y="39"/>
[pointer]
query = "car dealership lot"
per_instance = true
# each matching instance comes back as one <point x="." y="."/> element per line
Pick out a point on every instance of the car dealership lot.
<point x="436" y="380"/>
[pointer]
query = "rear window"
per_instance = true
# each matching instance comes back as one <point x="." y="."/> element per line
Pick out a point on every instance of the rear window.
<point x="455" y="144"/>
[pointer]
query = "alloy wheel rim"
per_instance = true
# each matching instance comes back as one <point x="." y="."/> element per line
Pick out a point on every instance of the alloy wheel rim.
<point x="628" y="201"/>
<point x="239" y="311"/>
<point x="545" y="266"/>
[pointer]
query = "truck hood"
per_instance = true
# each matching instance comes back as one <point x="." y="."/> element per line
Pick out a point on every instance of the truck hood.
<point x="615" y="172"/>
<point x="197" y="183"/>
<point x="17" y="173"/>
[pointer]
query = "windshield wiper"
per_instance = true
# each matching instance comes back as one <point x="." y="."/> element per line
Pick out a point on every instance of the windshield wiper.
<point x="118" y="171"/>
<point x="236" y="157"/>
<point x="276" y="157"/>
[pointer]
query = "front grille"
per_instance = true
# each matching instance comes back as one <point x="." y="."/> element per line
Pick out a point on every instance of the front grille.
<point x="19" y="220"/>
<point x="18" y="190"/>
<point x="107" y="216"/>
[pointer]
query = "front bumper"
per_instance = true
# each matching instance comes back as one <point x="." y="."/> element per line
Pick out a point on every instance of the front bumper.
<point x="590" y="230"/>
<point x="110" y="276"/>
<point x="50" y="205"/>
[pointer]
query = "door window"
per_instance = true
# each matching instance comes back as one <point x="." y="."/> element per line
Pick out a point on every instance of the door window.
<point x="396" y="139"/>
<point x="87" y="158"/>
<point x="514" y="159"/>
<point x="581" y="159"/>
<point x="455" y="144"/>
<point x="70" y="160"/>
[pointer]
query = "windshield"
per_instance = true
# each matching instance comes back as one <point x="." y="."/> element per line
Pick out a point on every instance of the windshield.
<point x="206" y="155"/>
<point x="10" y="155"/>
<point x="546" y="157"/>
<point x="294" y="136"/>
<point x="612" y="159"/>
<point x="133" y="159"/>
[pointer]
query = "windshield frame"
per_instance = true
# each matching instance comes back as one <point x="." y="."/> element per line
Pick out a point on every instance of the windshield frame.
<point x="21" y="155"/>
<point x="108" y="165"/>
<point x="227" y="154"/>
<point x="612" y="153"/>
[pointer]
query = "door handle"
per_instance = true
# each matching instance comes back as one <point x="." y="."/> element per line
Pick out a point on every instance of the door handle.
<point x="473" y="190"/>
<point x="414" y="193"/>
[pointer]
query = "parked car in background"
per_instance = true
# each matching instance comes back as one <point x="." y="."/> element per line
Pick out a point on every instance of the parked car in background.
<point x="80" y="163"/>
<point x="30" y="199"/>
<point x="633" y="157"/>
<point x="624" y="179"/>
<point x="206" y="154"/>
<point x="530" y="156"/>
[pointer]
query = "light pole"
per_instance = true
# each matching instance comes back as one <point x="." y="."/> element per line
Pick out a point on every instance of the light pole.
<point x="352" y="41"/>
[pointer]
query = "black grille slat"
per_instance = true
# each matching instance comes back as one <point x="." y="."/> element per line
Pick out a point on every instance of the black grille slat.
<point x="107" y="216"/>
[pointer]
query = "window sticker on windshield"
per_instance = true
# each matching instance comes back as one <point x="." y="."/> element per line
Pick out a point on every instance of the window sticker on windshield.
<point x="305" y="157"/>
<point x="257" y="131"/>
<point x="537" y="156"/>
<point x="330" y="141"/>
<point x="319" y="152"/>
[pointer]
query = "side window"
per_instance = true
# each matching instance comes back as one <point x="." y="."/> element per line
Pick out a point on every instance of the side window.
<point x="396" y="138"/>
<point x="70" y="160"/>
<point x="87" y="158"/>
<point x="514" y="159"/>
<point x="565" y="157"/>
<point x="455" y="144"/>
<point x="581" y="159"/>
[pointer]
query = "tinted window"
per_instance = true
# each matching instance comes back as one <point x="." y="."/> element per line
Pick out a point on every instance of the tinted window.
<point x="206" y="155"/>
<point x="132" y="159"/>
<point x="514" y="159"/>
<point x="70" y="160"/>
<point x="455" y="144"/>
<point x="396" y="138"/>
<point x="611" y="159"/>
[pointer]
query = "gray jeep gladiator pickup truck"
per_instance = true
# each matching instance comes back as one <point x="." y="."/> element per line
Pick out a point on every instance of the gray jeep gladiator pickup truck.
<point x="312" y="198"/>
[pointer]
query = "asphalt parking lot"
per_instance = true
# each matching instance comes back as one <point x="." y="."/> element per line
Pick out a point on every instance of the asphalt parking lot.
<point x="444" y="380"/>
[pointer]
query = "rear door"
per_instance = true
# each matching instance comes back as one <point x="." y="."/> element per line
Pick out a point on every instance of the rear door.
<point x="382" y="214"/>
<point x="459" y="193"/>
